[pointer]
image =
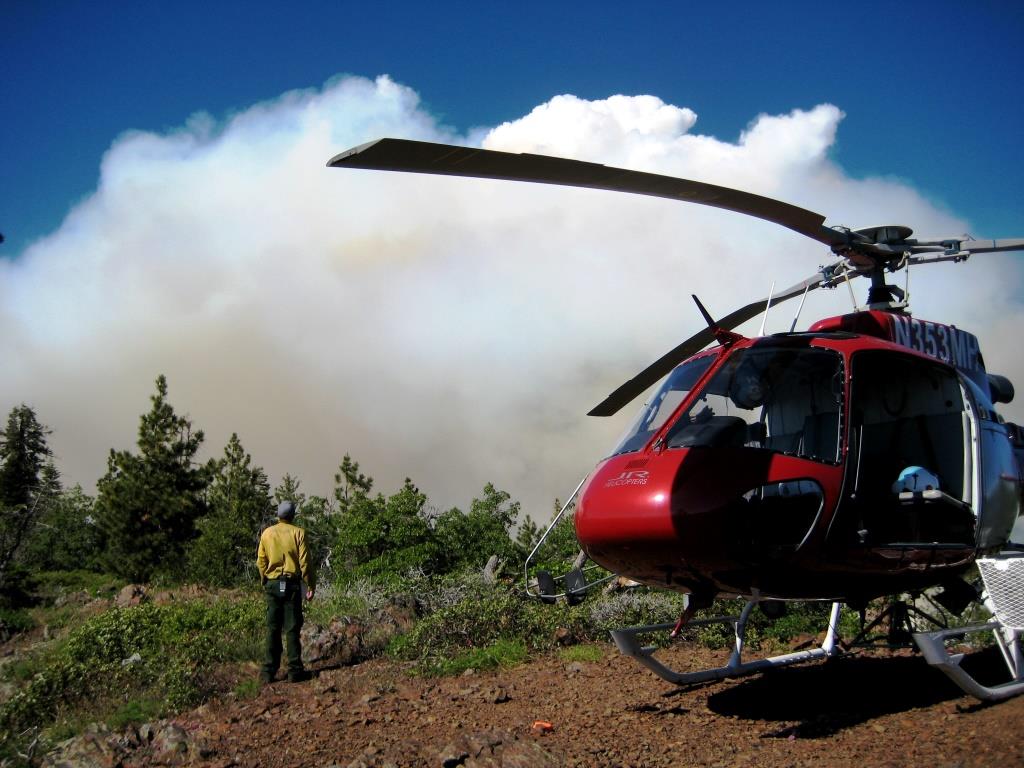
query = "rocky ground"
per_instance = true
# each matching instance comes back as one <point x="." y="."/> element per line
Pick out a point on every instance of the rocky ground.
<point x="868" y="709"/>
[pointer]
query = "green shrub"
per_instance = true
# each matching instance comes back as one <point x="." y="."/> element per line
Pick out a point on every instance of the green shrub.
<point x="247" y="689"/>
<point x="135" y="712"/>
<point x="175" y="646"/>
<point x="634" y="607"/>
<point x="14" y="621"/>
<point x="503" y="652"/>
<point x="52" y="584"/>
<point x="482" y="618"/>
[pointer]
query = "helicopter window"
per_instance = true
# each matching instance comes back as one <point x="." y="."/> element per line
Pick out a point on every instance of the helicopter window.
<point x="668" y="397"/>
<point x="786" y="399"/>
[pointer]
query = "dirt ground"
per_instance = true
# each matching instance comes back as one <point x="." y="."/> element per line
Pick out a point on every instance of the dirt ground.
<point x="866" y="709"/>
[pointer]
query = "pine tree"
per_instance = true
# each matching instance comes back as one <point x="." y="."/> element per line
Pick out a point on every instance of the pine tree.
<point x="23" y="453"/>
<point x="149" y="502"/>
<point x="288" y="490"/>
<point x="66" y="536"/>
<point x="239" y="501"/>
<point x="380" y="537"/>
<point x="350" y="485"/>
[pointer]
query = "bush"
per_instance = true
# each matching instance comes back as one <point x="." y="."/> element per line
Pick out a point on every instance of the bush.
<point x="176" y="645"/>
<point x="634" y="607"/>
<point x="14" y="621"/>
<point x="481" y="619"/>
<point x="135" y="712"/>
<point x="52" y="584"/>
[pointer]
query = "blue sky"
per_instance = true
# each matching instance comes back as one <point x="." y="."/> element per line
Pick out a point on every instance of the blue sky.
<point x="457" y="331"/>
<point x="931" y="90"/>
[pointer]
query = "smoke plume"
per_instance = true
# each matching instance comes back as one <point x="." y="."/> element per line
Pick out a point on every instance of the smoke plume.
<point x="455" y="331"/>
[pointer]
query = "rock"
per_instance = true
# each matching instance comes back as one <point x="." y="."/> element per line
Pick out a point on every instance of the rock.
<point x="326" y="682"/>
<point x="96" y="748"/>
<point x="453" y="754"/>
<point x="82" y="597"/>
<point x="133" y="594"/>
<point x="341" y="642"/>
<point x="496" y="695"/>
<point x="495" y="749"/>
<point x="135" y="658"/>
<point x="171" y="741"/>
<point x="400" y="613"/>
<point x="526" y="754"/>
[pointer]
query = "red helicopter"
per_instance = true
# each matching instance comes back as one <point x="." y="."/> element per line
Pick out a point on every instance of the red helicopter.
<point x="861" y="458"/>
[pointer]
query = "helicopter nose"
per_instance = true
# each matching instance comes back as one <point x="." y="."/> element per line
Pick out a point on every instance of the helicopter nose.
<point x="689" y="515"/>
<point x="625" y="512"/>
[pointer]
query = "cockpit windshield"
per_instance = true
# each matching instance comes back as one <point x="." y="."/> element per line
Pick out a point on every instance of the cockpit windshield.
<point x="784" y="398"/>
<point x="668" y="397"/>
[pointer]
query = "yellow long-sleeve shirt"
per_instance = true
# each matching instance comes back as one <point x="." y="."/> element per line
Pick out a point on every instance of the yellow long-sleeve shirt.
<point x="282" y="550"/>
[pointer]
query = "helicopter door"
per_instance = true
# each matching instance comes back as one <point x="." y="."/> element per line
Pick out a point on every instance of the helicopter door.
<point x="911" y="454"/>
<point x="997" y="479"/>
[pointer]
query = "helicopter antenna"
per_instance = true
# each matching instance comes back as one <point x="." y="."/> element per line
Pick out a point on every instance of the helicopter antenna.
<point x="767" y="306"/>
<point x="799" y="309"/>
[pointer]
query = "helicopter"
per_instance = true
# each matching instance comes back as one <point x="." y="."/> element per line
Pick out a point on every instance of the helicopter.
<point x="861" y="458"/>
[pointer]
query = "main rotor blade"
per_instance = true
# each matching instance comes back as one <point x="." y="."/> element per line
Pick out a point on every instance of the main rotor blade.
<point x="992" y="246"/>
<point x="448" y="160"/>
<point x="663" y="365"/>
<point x="971" y="245"/>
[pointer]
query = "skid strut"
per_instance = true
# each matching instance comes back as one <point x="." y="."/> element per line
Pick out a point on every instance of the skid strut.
<point x="1004" y="597"/>
<point x="626" y="640"/>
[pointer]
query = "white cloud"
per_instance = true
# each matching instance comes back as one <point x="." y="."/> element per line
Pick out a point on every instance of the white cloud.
<point x="452" y="330"/>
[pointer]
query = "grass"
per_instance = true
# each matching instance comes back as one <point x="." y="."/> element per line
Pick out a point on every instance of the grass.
<point x="581" y="653"/>
<point x="136" y="712"/>
<point x="501" y="653"/>
<point x="247" y="689"/>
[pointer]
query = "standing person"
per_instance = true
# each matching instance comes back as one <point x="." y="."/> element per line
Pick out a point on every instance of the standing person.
<point x="284" y="565"/>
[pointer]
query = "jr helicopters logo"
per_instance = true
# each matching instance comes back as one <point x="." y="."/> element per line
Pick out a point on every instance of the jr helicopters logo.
<point x="634" y="477"/>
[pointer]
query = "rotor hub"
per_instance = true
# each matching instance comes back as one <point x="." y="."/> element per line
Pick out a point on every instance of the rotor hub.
<point x="887" y="234"/>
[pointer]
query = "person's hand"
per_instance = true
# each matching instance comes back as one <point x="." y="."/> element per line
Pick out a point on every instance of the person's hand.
<point x="309" y="595"/>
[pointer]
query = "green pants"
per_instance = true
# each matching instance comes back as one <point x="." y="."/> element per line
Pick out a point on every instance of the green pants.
<point x="284" y="611"/>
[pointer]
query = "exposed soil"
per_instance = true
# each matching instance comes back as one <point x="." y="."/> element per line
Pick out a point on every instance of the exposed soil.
<point x="866" y="709"/>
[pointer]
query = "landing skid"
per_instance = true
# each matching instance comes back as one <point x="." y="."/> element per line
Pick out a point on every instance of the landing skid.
<point x="628" y="644"/>
<point x="1004" y="597"/>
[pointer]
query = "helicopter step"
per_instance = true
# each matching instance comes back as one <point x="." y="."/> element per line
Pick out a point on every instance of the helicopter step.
<point x="1003" y="576"/>
<point x="576" y="584"/>
<point x="627" y="642"/>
